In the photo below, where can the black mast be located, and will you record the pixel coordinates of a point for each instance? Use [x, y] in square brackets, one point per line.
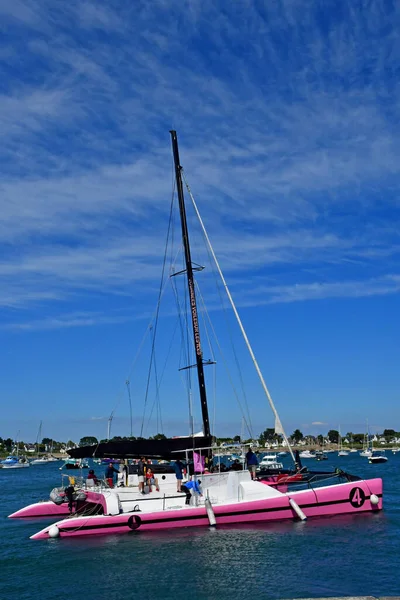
[190, 280]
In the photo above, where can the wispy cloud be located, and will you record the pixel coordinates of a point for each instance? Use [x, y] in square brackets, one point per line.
[292, 151]
[389, 284]
[67, 321]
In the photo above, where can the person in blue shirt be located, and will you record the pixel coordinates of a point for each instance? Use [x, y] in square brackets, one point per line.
[252, 462]
[190, 487]
[110, 474]
[178, 467]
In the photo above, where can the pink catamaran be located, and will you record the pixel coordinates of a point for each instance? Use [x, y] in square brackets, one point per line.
[218, 498]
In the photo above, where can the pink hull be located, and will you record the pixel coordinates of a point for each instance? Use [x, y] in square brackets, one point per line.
[41, 509]
[50, 509]
[349, 498]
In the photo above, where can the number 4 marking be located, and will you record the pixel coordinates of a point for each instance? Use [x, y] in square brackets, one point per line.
[357, 497]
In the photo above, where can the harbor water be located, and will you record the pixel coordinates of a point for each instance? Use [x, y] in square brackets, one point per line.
[338, 556]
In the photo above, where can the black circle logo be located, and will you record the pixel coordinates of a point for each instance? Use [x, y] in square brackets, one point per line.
[134, 522]
[357, 497]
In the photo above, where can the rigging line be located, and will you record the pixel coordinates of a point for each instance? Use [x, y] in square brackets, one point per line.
[162, 376]
[204, 314]
[157, 311]
[163, 372]
[182, 317]
[244, 409]
[129, 376]
[205, 317]
[225, 363]
[215, 398]
[157, 396]
[185, 348]
[278, 424]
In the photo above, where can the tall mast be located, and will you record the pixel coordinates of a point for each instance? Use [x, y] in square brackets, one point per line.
[190, 280]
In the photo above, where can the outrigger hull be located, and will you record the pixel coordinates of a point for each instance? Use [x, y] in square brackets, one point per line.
[349, 498]
[45, 509]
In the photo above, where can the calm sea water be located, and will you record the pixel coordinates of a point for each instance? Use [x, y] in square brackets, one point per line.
[338, 556]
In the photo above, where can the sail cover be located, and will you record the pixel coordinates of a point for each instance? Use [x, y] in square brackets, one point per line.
[168, 449]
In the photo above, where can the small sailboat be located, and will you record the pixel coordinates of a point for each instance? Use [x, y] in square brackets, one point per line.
[41, 459]
[366, 452]
[15, 461]
[341, 450]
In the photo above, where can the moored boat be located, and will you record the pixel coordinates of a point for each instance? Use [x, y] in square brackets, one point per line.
[308, 454]
[258, 502]
[377, 456]
[14, 462]
[75, 463]
[213, 498]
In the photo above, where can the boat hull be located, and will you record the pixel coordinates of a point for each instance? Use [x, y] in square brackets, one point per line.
[41, 509]
[350, 498]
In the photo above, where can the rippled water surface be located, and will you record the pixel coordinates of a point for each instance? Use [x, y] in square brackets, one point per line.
[340, 556]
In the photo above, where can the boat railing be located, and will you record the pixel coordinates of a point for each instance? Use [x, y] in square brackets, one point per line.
[81, 482]
[315, 481]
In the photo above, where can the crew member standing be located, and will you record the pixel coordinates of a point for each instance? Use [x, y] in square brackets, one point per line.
[110, 474]
[252, 462]
[178, 467]
[141, 471]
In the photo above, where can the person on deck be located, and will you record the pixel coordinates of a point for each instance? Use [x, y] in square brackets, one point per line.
[151, 480]
[191, 487]
[110, 474]
[178, 467]
[141, 473]
[92, 475]
[252, 462]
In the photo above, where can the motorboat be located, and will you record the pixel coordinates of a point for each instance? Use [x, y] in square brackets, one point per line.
[269, 461]
[44, 460]
[307, 454]
[320, 455]
[75, 463]
[15, 462]
[377, 456]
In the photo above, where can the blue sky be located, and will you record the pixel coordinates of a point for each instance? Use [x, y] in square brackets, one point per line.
[287, 114]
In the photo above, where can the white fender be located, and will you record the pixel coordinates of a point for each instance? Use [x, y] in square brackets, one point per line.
[210, 512]
[297, 509]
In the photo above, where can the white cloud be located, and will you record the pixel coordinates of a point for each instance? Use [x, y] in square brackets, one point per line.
[292, 153]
